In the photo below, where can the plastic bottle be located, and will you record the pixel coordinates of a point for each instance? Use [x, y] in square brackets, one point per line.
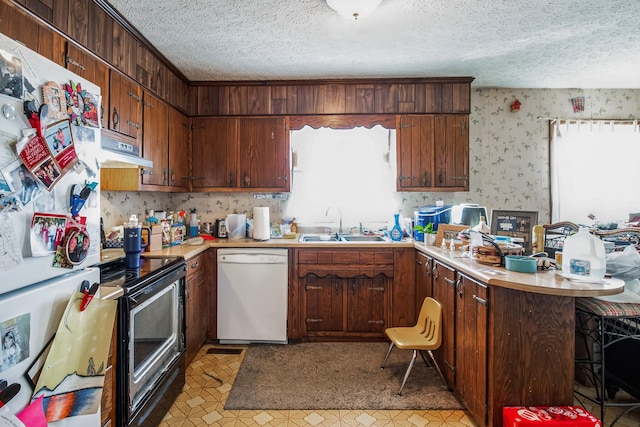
[482, 226]
[583, 257]
[193, 225]
[538, 238]
[396, 231]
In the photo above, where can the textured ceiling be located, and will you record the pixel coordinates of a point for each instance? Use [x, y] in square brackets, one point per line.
[502, 43]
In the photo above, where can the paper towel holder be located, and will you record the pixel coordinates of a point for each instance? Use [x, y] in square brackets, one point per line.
[261, 223]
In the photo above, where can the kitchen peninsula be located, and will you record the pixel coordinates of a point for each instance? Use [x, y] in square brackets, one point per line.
[508, 337]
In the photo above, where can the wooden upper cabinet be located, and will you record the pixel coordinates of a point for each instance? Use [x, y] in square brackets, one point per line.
[179, 130]
[415, 148]
[100, 35]
[85, 65]
[125, 102]
[451, 155]
[432, 152]
[124, 51]
[55, 12]
[214, 153]
[18, 26]
[264, 153]
[155, 139]
[78, 25]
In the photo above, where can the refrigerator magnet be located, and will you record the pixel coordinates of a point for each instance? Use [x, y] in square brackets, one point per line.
[76, 246]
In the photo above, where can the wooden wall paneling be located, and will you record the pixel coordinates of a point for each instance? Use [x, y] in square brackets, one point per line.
[143, 66]
[386, 100]
[44, 9]
[364, 99]
[51, 45]
[258, 100]
[406, 98]
[307, 99]
[236, 99]
[461, 98]
[206, 100]
[433, 98]
[335, 99]
[279, 99]
[100, 32]
[78, 15]
[292, 99]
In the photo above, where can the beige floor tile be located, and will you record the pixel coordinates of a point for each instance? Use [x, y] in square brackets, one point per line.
[202, 404]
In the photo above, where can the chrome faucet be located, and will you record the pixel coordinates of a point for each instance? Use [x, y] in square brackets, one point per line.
[340, 212]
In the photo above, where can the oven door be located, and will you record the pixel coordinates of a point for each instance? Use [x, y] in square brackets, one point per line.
[156, 335]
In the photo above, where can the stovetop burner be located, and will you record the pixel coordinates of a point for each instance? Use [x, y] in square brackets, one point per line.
[115, 273]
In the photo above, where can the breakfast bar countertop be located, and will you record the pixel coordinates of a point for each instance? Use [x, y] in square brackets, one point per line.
[549, 282]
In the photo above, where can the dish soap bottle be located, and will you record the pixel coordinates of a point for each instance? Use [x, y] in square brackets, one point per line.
[193, 225]
[396, 232]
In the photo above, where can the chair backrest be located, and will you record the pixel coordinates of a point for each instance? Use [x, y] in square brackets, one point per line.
[430, 321]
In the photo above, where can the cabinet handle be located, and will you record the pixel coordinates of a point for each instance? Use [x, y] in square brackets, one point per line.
[434, 271]
[450, 281]
[115, 117]
[147, 104]
[313, 320]
[405, 177]
[231, 179]
[337, 286]
[164, 175]
[481, 300]
[195, 264]
[273, 132]
[426, 180]
[376, 322]
[353, 286]
[134, 124]
[76, 64]
[459, 287]
[246, 182]
[381, 289]
[312, 288]
[427, 269]
[464, 177]
[440, 177]
[172, 176]
[463, 126]
[133, 95]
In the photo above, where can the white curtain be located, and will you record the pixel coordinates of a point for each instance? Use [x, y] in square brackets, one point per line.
[348, 170]
[594, 171]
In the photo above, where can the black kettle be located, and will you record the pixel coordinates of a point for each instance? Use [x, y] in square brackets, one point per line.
[220, 229]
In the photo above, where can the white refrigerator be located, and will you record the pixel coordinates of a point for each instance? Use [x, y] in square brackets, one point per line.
[33, 291]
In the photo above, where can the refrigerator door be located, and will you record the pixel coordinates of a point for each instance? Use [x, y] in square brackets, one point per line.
[20, 268]
[32, 315]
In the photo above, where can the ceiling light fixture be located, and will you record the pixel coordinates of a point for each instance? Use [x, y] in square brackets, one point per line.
[353, 8]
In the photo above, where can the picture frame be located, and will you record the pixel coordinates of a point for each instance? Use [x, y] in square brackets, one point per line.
[55, 99]
[449, 231]
[512, 223]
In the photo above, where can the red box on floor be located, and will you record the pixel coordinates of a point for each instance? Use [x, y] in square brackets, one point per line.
[548, 416]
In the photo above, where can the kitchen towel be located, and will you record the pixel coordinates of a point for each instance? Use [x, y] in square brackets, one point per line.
[261, 223]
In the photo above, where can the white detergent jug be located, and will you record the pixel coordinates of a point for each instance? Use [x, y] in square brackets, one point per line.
[583, 257]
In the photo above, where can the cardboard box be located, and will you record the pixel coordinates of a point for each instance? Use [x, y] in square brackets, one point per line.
[548, 416]
[156, 243]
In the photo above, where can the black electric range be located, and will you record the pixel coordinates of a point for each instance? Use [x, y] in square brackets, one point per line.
[114, 273]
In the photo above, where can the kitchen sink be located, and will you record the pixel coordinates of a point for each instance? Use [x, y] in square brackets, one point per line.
[318, 238]
[361, 238]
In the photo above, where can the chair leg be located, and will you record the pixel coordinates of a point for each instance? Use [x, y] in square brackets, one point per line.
[384, 362]
[426, 362]
[406, 375]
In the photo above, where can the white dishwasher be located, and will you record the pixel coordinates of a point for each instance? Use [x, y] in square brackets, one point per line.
[252, 296]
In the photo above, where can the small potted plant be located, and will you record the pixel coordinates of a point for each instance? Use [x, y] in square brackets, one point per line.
[429, 233]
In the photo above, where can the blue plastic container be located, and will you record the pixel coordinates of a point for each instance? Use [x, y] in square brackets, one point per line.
[430, 213]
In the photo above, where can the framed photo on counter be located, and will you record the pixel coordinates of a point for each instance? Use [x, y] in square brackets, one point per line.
[448, 232]
[514, 224]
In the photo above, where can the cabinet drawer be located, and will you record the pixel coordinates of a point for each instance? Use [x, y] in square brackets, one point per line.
[195, 265]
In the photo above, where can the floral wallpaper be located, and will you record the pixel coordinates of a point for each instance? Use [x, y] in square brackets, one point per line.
[509, 159]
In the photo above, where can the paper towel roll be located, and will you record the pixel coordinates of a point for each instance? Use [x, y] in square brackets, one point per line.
[261, 223]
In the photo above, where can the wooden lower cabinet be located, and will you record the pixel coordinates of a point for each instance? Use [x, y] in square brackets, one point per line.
[345, 293]
[424, 282]
[196, 306]
[107, 404]
[444, 284]
[471, 346]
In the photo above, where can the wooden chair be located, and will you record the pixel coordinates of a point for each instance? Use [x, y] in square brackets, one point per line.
[424, 337]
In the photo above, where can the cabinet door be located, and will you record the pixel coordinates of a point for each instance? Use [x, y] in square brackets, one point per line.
[196, 312]
[424, 284]
[324, 303]
[451, 152]
[155, 139]
[214, 153]
[125, 112]
[85, 65]
[179, 127]
[365, 304]
[264, 153]
[471, 346]
[444, 283]
[414, 151]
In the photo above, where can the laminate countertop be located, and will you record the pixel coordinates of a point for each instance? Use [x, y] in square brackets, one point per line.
[549, 282]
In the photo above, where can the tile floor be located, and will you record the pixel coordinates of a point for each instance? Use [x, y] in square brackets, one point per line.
[202, 404]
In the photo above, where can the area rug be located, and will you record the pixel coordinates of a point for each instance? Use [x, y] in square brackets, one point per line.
[335, 376]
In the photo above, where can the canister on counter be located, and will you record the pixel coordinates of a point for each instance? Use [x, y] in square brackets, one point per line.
[178, 232]
[558, 260]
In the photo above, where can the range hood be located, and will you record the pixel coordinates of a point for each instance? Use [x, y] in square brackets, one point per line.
[118, 154]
